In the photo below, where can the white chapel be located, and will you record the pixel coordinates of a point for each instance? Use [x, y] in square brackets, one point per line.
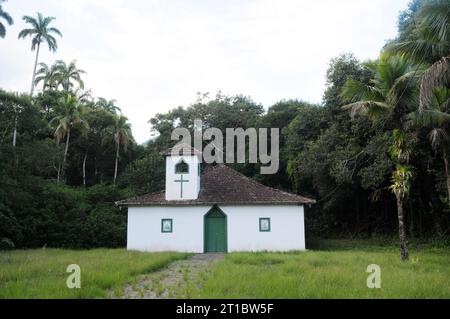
[216, 209]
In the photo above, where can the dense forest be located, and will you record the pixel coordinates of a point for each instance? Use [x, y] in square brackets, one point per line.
[374, 153]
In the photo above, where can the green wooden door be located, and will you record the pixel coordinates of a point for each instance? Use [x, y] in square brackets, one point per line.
[215, 232]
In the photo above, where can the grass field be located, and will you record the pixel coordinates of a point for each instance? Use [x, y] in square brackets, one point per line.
[336, 269]
[42, 273]
[337, 273]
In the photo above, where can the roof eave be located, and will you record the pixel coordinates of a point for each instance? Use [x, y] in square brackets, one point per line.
[178, 203]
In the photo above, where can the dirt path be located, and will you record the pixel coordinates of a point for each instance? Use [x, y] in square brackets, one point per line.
[174, 281]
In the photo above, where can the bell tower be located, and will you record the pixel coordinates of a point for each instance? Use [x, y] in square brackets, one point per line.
[182, 173]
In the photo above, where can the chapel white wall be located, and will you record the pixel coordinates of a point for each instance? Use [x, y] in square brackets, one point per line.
[287, 228]
[144, 228]
[286, 223]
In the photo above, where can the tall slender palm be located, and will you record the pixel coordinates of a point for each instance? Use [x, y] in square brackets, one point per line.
[107, 105]
[431, 44]
[4, 15]
[70, 114]
[46, 75]
[65, 74]
[388, 99]
[120, 131]
[39, 32]
[85, 130]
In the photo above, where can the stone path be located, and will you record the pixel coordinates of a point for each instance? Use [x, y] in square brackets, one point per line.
[175, 281]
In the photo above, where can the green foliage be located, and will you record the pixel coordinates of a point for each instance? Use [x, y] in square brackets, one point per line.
[6, 244]
[59, 74]
[40, 31]
[37, 213]
[6, 17]
[145, 175]
[401, 180]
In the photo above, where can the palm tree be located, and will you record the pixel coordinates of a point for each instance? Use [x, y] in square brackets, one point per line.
[46, 75]
[70, 114]
[120, 131]
[386, 100]
[85, 130]
[107, 105]
[430, 45]
[84, 97]
[66, 73]
[436, 118]
[59, 74]
[4, 15]
[39, 32]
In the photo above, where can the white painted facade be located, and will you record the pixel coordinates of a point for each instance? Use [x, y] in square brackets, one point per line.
[286, 233]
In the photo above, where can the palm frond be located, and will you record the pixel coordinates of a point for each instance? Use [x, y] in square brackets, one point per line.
[32, 21]
[429, 118]
[437, 75]
[2, 30]
[47, 20]
[401, 180]
[353, 91]
[371, 109]
[5, 15]
[26, 32]
[404, 84]
[436, 15]
[55, 30]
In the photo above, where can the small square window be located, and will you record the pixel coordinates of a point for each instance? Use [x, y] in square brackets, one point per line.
[166, 225]
[264, 224]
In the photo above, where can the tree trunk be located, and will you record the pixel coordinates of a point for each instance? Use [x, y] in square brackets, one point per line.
[58, 171]
[15, 130]
[411, 221]
[34, 70]
[84, 168]
[67, 147]
[404, 255]
[446, 174]
[65, 153]
[117, 161]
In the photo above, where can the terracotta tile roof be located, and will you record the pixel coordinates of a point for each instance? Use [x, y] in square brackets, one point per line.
[223, 185]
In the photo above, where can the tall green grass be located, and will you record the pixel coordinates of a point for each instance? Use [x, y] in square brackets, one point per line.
[42, 273]
[329, 274]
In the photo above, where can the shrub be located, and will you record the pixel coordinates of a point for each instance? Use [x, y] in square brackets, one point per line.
[6, 244]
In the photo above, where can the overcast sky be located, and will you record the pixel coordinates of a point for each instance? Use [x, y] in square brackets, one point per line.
[152, 56]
